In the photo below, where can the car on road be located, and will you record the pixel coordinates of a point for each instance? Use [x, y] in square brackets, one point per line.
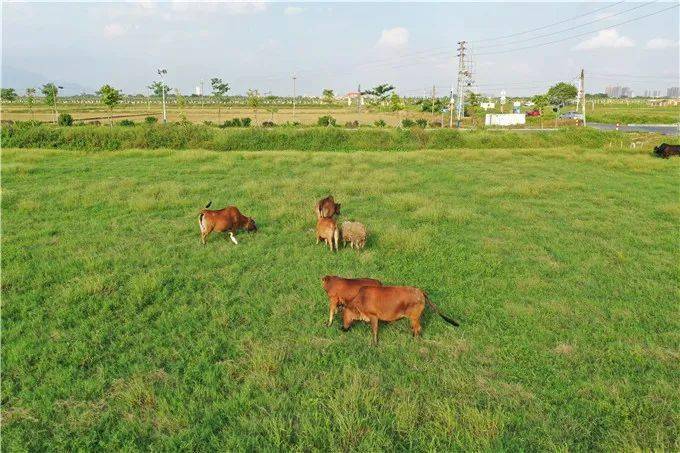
[571, 116]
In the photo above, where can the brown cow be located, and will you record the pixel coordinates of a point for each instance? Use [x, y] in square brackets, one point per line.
[227, 219]
[340, 290]
[327, 230]
[327, 207]
[388, 303]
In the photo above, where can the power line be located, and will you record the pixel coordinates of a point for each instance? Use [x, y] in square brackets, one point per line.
[570, 28]
[580, 34]
[549, 25]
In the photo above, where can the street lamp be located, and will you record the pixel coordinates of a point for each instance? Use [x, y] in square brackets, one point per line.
[162, 72]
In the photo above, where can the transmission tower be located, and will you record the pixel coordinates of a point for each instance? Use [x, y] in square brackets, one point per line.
[464, 81]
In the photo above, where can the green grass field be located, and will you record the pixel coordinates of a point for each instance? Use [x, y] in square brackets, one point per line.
[122, 332]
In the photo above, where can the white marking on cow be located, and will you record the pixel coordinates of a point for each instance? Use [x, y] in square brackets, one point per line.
[233, 239]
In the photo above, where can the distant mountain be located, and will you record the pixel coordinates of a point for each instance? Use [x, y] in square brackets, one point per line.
[20, 79]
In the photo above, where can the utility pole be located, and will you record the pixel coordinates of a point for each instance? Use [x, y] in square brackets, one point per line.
[582, 88]
[202, 94]
[451, 109]
[294, 78]
[463, 75]
[162, 72]
[358, 97]
[433, 91]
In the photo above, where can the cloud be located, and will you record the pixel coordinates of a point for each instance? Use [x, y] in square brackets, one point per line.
[393, 38]
[114, 30]
[238, 8]
[292, 10]
[660, 43]
[605, 39]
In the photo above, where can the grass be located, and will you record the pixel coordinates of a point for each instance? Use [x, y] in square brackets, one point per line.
[121, 332]
[182, 136]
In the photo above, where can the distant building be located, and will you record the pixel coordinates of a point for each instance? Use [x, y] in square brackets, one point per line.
[618, 92]
[673, 92]
[488, 105]
[351, 96]
[199, 90]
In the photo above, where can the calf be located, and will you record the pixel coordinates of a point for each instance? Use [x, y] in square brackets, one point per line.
[340, 290]
[354, 233]
[388, 303]
[327, 230]
[227, 219]
[665, 150]
[327, 207]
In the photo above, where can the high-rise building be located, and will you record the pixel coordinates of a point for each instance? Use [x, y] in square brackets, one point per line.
[673, 92]
[618, 92]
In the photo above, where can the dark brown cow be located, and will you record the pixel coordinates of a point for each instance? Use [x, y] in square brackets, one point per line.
[227, 219]
[388, 303]
[327, 207]
[665, 150]
[340, 290]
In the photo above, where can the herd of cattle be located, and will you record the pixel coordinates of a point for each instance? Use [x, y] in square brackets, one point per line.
[363, 299]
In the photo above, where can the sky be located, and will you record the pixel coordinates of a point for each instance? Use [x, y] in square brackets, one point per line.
[258, 45]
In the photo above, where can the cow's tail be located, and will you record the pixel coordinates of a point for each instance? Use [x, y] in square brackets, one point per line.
[438, 311]
[200, 216]
[208, 205]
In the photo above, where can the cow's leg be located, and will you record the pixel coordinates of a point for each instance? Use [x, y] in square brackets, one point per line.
[374, 328]
[415, 325]
[204, 234]
[333, 309]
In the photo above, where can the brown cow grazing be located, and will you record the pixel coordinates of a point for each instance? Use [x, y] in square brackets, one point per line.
[665, 150]
[227, 219]
[327, 207]
[327, 230]
[340, 290]
[388, 303]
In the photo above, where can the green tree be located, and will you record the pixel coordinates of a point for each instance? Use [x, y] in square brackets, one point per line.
[328, 97]
[253, 101]
[50, 92]
[541, 101]
[30, 100]
[473, 101]
[181, 105]
[561, 93]
[381, 92]
[219, 92]
[396, 103]
[157, 88]
[8, 94]
[110, 97]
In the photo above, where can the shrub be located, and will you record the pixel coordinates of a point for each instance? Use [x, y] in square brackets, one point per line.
[65, 119]
[208, 123]
[150, 120]
[326, 120]
[126, 123]
[245, 122]
[380, 123]
[407, 123]
[352, 124]
[421, 122]
[435, 124]
[268, 124]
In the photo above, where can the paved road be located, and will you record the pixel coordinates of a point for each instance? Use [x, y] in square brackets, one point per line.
[664, 129]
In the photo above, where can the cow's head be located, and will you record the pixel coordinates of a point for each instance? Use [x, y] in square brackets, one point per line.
[326, 281]
[250, 225]
[349, 315]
